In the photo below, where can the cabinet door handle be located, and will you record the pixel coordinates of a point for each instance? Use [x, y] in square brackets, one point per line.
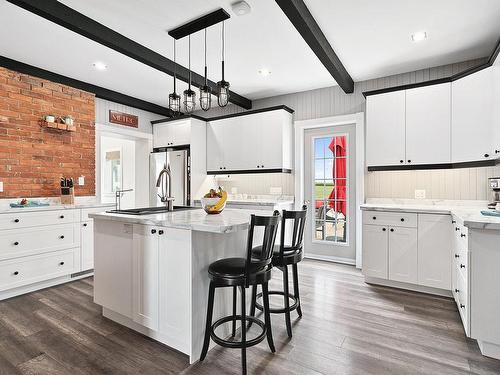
[457, 256]
[409, 161]
[16, 220]
[262, 166]
[462, 266]
[374, 218]
[402, 219]
[61, 237]
[401, 161]
[61, 217]
[497, 151]
[16, 243]
[457, 229]
[392, 229]
[16, 273]
[84, 224]
[457, 291]
[258, 166]
[160, 232]
[462, 235]
[453, 222]
[462, 306]
[61, 263]
[383, 229]
[486, 155]
[153, 231]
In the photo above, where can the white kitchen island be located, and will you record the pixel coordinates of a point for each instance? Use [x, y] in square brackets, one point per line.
[151, 271]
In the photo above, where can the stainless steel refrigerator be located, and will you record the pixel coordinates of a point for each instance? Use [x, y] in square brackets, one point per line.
[179, 168]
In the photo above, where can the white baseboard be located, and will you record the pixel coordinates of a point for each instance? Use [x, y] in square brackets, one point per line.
[489, 349]
[406, 286]
[332, 259]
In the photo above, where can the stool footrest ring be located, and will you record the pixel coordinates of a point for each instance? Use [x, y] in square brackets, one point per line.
[238, 344]
[282, 310]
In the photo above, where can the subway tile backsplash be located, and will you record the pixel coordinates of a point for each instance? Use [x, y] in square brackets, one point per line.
[457, 184]
[258, 183]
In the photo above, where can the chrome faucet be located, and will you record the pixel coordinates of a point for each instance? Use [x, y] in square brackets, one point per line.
[118, 196]
[166, 196]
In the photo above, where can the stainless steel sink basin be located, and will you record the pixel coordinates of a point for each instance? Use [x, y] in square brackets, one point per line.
[150, 210]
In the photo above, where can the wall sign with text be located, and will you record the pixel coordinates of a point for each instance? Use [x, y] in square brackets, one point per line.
[121, 118]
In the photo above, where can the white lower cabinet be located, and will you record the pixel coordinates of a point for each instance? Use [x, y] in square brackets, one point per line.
[145, 275]
[434, 251]
[87, 244]
[375, 251]
[403, 254]
[407, 248]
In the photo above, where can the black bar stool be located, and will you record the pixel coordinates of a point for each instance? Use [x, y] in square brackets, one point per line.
[253, 270]
[285, 255]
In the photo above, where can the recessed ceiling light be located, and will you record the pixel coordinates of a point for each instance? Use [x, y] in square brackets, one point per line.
[240, 8]
[419, 36]
[264, 72]
[99, 65]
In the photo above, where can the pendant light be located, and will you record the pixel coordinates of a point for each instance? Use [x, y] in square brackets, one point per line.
[189, 95]
[222, 85]
[174, 100]
[205, 94]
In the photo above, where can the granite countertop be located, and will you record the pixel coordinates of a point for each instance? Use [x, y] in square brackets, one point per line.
[8, 210]
[229, 220]
[256, 201]
[466, 213]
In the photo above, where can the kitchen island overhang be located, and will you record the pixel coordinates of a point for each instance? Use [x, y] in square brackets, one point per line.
[151, 271]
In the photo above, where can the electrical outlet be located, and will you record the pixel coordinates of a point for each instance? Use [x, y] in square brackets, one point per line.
[419, 194]
[81, 180]
[1, 187]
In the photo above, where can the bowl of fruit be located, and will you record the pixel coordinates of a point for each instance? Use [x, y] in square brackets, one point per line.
[214, 201]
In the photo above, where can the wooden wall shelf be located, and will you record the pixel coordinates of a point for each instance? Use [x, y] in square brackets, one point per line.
[59, 126]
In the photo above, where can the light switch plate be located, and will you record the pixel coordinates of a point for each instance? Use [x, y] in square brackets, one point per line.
[419, 194]
[81, 180]
[1, 187]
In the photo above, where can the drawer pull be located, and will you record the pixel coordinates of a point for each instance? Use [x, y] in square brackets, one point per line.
[402, 219]
[61, 263]
[383, 229]
[153, 231]
[16, 273]
[61, 217]
[84, 224]
[16, 220]
[457, 229]
[462, 266]
[160, 232]
[453, 222]
[16, 243]
[61, 237]
[457, 291]
[374, 218]
[462, 235]
[392, 229]
[457, 256]
[462, 306]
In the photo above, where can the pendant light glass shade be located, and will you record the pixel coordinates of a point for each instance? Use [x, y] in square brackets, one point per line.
[174, 100]
[189, 95]
[222, 85]
[205, 94]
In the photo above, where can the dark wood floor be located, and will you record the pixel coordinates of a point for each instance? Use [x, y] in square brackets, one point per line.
[348, 327]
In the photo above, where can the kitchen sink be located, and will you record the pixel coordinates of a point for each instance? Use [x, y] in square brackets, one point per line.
[150, 210]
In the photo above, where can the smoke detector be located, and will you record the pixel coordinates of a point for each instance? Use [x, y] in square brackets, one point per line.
[240, 8]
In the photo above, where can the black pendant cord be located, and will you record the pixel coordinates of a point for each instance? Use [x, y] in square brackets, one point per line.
[189, 63]
[223, 43]
[205, 57]
[175, 68]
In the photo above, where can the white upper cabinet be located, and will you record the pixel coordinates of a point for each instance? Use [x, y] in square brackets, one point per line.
[172, 133]
[496, 108]
[428, 124]
[257, 141]
[385, 129]
[472, 117]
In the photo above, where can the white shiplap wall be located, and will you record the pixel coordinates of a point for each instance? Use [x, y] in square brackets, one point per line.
[102, 108]
[469, 183]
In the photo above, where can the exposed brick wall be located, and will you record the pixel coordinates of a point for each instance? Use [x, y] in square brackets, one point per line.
[33, 158]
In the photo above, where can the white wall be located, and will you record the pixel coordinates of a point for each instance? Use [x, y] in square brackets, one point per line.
[102, 108]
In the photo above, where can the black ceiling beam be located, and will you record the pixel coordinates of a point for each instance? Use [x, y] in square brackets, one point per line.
[99, 92]
[200, 23]
[69, 18]
[306, 25]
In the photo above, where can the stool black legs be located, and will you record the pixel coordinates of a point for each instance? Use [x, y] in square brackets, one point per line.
[208, 325]
[267, 313]
[287, 301]
[243, 333]
[296, 289]
[235, 289]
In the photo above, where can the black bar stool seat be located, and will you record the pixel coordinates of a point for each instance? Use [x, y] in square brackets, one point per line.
[241, 273]
[290, 255]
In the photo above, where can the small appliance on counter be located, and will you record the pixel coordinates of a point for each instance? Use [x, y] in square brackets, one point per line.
[494, 184]
[67, 191]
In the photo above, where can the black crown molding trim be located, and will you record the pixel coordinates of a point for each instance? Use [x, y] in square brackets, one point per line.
[200, 23]
[465, 73]
[100, 92]
[69, 18]
[300, 16]
[408, 167]
[246, 171]
[244, 113]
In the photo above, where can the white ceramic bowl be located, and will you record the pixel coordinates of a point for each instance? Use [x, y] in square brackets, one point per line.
[208, 202]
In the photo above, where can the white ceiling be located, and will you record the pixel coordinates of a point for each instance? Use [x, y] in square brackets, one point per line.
[372, 38]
